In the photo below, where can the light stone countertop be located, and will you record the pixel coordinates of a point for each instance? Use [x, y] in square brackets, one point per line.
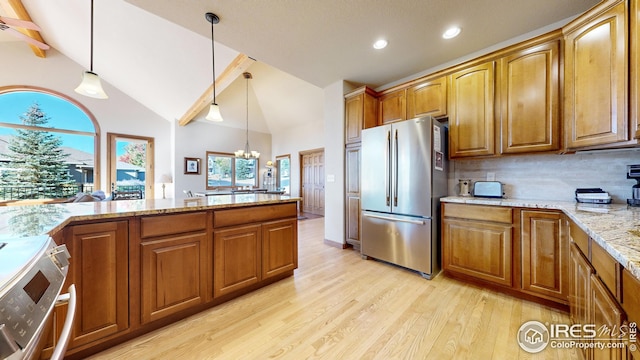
[34, 220]
[615, 227]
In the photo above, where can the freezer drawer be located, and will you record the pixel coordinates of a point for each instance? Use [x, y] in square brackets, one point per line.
[401, 240]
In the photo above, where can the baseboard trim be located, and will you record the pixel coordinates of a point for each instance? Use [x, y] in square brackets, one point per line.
[335, 244]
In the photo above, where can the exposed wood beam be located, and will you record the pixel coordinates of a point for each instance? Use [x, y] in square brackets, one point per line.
[15, 9]
[239, 65]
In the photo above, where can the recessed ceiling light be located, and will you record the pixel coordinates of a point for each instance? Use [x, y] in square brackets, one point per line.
[380, 44]
[451, 32]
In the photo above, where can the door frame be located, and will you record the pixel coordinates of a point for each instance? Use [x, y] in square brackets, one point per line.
[149, 161]
[301, 169]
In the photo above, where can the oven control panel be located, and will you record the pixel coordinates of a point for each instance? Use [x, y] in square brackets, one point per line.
[27, 304]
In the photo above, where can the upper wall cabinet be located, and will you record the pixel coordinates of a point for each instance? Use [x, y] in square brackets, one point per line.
[529, 99]
[471, 114]
[595, 78]
[634, 85]
[360, 113]
[427, 98]
[393, 106]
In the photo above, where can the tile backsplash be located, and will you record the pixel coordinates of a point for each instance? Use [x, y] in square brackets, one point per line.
[552, 177]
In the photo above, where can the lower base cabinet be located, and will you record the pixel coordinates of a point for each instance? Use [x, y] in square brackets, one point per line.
[236, 258]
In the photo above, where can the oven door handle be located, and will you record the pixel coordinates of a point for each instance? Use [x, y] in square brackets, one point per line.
[65, 335]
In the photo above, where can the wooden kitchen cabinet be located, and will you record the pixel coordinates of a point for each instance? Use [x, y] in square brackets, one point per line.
[471, 111]
[173, 267]
[99, 270]
[530, 99]
[605, 311]
[361, 109]
[428, 97]
[279, 247]
[393, 106]
[352, 195]
[477, 242]
[236, 258]
[634, 68]
[595, 78]
[580, 271]
[545, 254]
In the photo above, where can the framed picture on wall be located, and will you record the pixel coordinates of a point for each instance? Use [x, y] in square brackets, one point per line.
[192, 166]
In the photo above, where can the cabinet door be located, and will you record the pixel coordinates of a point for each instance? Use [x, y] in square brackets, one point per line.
[99, 269]
[173, 274]
[427, 98]
[393, 107]
[279, 247]
[545, 254]
[236, 258]
[481, 250]
[529, 100]
[605, 312]
[595, 80]
[360, 113]
[352, 191]
[579, 286]
[471, 112]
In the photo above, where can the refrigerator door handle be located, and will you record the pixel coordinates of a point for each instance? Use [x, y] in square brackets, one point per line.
[395, 171]
[382, 217]
[387, 175]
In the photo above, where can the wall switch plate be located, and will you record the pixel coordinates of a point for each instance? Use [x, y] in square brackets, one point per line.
[491, 176]
[331, 178]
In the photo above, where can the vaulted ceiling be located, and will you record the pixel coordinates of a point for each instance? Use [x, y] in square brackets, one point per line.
[159, 51]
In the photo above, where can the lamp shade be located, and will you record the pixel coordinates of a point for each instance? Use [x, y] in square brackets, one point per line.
[214, 113]
[166, 179]
[91, 86]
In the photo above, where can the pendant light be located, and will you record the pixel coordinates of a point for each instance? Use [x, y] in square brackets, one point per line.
[90, 85]
[246, 153]
[214, 109]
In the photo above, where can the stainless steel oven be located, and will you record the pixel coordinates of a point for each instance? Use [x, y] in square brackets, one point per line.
[32, 274]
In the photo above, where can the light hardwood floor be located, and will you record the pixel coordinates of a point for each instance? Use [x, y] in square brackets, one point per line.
[338, 306]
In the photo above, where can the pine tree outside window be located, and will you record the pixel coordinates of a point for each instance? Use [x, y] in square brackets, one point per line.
[48, 145]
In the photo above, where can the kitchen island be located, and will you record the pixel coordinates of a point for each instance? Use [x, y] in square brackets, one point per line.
[141, 264]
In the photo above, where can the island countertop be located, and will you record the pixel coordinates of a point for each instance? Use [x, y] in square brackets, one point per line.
[615, 227]
[33, 220]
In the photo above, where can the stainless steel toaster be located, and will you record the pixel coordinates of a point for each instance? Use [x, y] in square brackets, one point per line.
[490, 189]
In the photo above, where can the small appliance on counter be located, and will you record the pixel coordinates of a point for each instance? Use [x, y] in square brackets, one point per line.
[592, 196]
[488, 189]
[633, 172]
[465, 187]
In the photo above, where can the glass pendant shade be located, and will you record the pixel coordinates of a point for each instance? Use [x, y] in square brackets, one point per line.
[91, 86]
[214, 113]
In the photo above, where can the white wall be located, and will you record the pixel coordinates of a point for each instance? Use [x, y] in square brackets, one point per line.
[198, 137]
[118, 114]
[334, 162]
[553, 177]
[294, 140]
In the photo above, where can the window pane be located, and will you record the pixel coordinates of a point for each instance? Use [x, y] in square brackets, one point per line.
[218, 170]
[283, 175]
[246, 171]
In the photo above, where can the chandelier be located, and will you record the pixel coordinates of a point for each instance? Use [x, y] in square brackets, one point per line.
[246, 153]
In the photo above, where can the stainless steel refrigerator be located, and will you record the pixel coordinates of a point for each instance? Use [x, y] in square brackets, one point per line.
[404, 174]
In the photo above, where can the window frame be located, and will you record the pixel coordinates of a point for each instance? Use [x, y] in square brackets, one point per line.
[96, 134]
[233, 171]
[279, 158]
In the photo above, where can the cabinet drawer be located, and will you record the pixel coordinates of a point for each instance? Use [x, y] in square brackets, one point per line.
[580, 238]
[253, 214]
[606, 267]
[159, 225]
[631, 296]
[479, 212]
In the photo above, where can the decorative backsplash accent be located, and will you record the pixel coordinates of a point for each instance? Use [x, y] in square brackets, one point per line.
[551, 176]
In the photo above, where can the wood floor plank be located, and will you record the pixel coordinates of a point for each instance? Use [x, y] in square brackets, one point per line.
[339, 306]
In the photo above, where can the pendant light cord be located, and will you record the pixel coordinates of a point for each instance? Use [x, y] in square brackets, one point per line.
[91, 53]
[213, 64]
[247, 97]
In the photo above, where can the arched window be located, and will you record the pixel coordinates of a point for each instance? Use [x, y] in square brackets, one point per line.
[49, 145]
